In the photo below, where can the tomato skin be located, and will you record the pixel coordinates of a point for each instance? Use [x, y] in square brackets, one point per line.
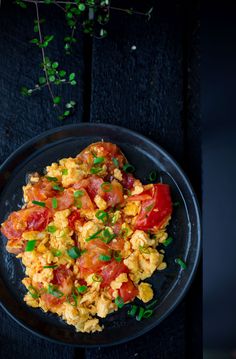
[128, 291]
[52, 301]
[127, 180]
[89, 262]
[40, 190]
[154, 218]
[74, 217]
[115, 195]
[63, 279]
[112, 270]
[91, 184]
[33, 219]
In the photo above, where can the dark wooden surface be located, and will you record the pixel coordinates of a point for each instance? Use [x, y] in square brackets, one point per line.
[153, 90]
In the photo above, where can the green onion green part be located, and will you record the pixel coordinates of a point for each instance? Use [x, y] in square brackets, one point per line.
[52, 179]
[98, 160]
[117, 256]
[148, 313]
[152, 176]
[54, 203]
[106, 186]
[128, 168]
[56, 252]
[33, 292]
[51, 229]
[115, 161]
[82, 288]
[78, 193]
[168, 241]
[140, 313]
[150, 305]
[119, 302]
[74, 252]
[97, 278]
[64, 171]
[180, 262]
[58, 188]
[104, 258]
[95, 170]
[41, 204]
[132, 312]
[30, 245]
[54, 291]
[93, 236]
[102, 215]
[52, 266]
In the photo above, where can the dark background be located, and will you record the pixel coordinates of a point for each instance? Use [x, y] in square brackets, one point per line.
[153, 90]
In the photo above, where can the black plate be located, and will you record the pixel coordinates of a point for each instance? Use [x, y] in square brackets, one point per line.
[169, 285]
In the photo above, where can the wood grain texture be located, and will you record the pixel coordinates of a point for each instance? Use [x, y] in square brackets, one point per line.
[153, 90]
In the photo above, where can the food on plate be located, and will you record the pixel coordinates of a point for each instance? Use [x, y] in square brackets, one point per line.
[87, 236]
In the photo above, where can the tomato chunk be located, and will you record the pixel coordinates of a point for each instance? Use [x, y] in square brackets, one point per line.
[110, 271]
[63, 279]
[114, 196]
[40, 190]
[156, 207]
[73, 218]
[128, 291]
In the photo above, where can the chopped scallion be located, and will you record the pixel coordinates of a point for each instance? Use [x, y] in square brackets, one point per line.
[82, 288]
[38, 203]
[33, 292]
[106, 186]
[168, 241]
[78, 193]
[58, 188]
[150, 305]
[104, 258]
[133, 310]
[95, 170]
[128, 168]
[115, 161]
[148, 313]
[97, 278]
[102, 215]
[140, 313]
[98, 160]
[30, 245]
[74, 252]
[52, 179]
[54, 203]
[93, 236]
[119, 302]
[64, 171]
[51, 229]
[54, 291]
[152, 176]
[52, 266]
[180, 262]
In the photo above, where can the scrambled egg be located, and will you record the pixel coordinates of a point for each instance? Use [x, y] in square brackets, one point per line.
[62, 239]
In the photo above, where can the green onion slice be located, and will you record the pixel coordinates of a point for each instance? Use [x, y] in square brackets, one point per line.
[33, 292]
[119, 302]
[78, 203]
[52, 179]
[117, 256]
[56, 252]
[133, 310]
[93, 236]
[168, 241]
[115, 161]
[68, 299]
[148, 313]
[64, 171]
[54, 203]
[38, 203]
[58, 188]
[74, 252]
[152, 176]
[97, 278]
[106, 186]
[128, 168]
[52, 266]
[150, 305]
[98, 160]
[54, 291]
[95, 170]
[104, 258]
[140, 313]
[82, 288]
[30, 245]
[51, 229]
[107, 236]
[78, 193]
[102, 215]
[180, 262]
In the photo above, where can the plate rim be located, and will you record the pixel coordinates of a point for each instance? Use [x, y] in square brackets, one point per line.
[194, 199]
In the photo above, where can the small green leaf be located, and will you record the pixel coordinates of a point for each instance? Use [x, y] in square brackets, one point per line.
[81, 7]
[73, 83]
[42, 80]
[72, 76]
[62, 73]
[52, 78]
[57, 100]
[34, 41]
[66, 113]
[55, 65]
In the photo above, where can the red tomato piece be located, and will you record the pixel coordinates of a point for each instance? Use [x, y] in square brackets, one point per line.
[127, 180]
[115, 195]
[38, 219]
[128, 291]
[92, 185]
[65, 200]
[117, 244]
[63, 279]
[73, 218]
[110, 271]
[41, 190]
[155, 211]
[52, 301]
[90, 259]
